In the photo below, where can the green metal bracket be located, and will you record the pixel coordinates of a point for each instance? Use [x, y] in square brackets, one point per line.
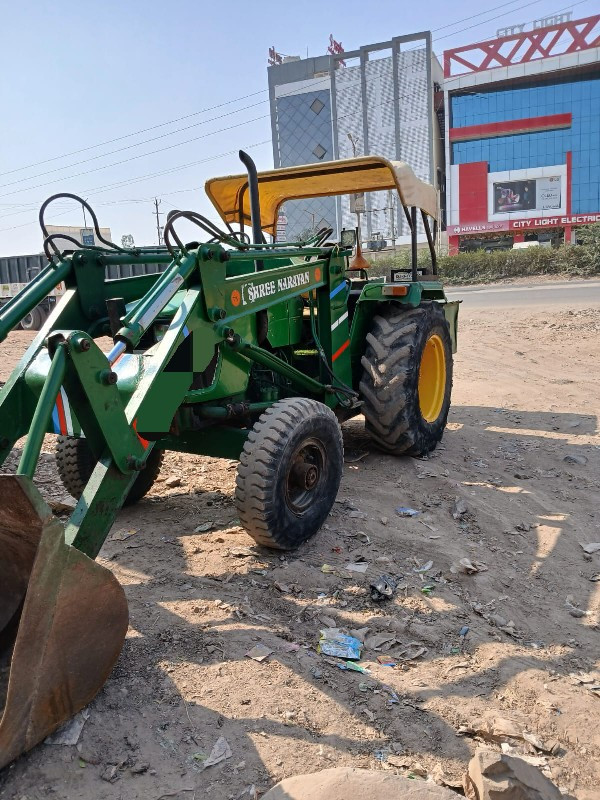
[95, 512]
[89, 274]
[229, 299]
[450, 310]
[91, 388]
[43, 412]
[219, 441]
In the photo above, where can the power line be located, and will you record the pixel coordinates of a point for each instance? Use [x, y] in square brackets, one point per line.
[485, 21]
[135, 133]
[128, 182]
[134, 158]
[186, 166]
[139, 144]
[481, 13]
[131, 146]
[179, 130]
[170, 170]
[170, 147]
[526, 5]
[188, 116]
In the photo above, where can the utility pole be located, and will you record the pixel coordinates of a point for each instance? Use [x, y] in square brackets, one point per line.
[159, 230]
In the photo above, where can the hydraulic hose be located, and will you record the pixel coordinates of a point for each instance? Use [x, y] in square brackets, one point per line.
[346, 390]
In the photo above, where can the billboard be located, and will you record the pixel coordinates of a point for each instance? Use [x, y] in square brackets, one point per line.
[537, 194]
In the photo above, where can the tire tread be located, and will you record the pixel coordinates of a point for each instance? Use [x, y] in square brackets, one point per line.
[390, 378]
[258, 508]
[75, 464]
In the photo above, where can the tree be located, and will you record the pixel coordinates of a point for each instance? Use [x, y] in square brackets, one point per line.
[589, 237]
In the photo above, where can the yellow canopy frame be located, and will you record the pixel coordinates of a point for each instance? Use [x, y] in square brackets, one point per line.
[231, 198]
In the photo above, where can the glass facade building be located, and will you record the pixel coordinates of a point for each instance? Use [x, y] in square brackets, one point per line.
[579, 96]
[378, 100]
[305, 136]
[523, 136]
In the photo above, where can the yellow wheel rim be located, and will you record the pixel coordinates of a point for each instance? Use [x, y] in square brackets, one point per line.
[432, 378]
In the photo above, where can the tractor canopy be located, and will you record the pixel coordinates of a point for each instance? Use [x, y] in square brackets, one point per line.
[231, 198]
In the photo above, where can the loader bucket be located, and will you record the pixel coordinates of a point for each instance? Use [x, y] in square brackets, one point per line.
[62, 616]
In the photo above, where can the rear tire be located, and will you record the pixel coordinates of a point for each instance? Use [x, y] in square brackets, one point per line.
[75, 463]
[34, 320]
[289, 472]
[407, 378]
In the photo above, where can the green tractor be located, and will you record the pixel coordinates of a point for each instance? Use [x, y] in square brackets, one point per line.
[240, 348]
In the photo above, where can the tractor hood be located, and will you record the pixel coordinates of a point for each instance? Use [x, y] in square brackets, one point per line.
[231, 198]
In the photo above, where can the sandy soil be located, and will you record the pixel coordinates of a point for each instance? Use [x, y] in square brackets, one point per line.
[526, 395]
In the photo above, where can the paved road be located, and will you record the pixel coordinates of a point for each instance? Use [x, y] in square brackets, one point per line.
[572, 294]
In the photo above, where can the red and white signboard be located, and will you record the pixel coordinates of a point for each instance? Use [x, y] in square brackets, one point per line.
[483, 202]
[523, 224]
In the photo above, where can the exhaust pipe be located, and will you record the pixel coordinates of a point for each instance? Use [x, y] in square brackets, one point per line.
[247, 161]
[257, 234]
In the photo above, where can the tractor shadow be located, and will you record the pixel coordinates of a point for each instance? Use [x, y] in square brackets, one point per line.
[260, 612]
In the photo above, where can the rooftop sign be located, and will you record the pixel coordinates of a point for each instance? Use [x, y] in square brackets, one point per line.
[544, 22]
[518, 46]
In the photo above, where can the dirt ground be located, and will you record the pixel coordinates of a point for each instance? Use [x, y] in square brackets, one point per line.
[497, 492]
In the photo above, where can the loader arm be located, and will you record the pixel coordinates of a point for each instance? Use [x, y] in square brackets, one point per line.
[180, 390]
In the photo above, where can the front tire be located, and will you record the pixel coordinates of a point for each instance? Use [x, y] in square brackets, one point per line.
[75, 463]
[407, 378]
[289, 472]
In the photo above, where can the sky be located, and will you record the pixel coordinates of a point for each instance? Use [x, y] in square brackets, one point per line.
[86, 85]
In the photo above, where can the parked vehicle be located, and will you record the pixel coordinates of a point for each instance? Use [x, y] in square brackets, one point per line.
[377, 243]
[17, 271]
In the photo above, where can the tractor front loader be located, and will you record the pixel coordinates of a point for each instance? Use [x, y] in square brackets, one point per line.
[239, 348]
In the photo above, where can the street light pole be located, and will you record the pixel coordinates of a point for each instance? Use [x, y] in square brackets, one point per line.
[353, 142]
[358, 260]
[392, 218]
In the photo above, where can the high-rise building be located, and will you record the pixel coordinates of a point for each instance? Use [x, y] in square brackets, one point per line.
[381, 99]
[523, 135]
